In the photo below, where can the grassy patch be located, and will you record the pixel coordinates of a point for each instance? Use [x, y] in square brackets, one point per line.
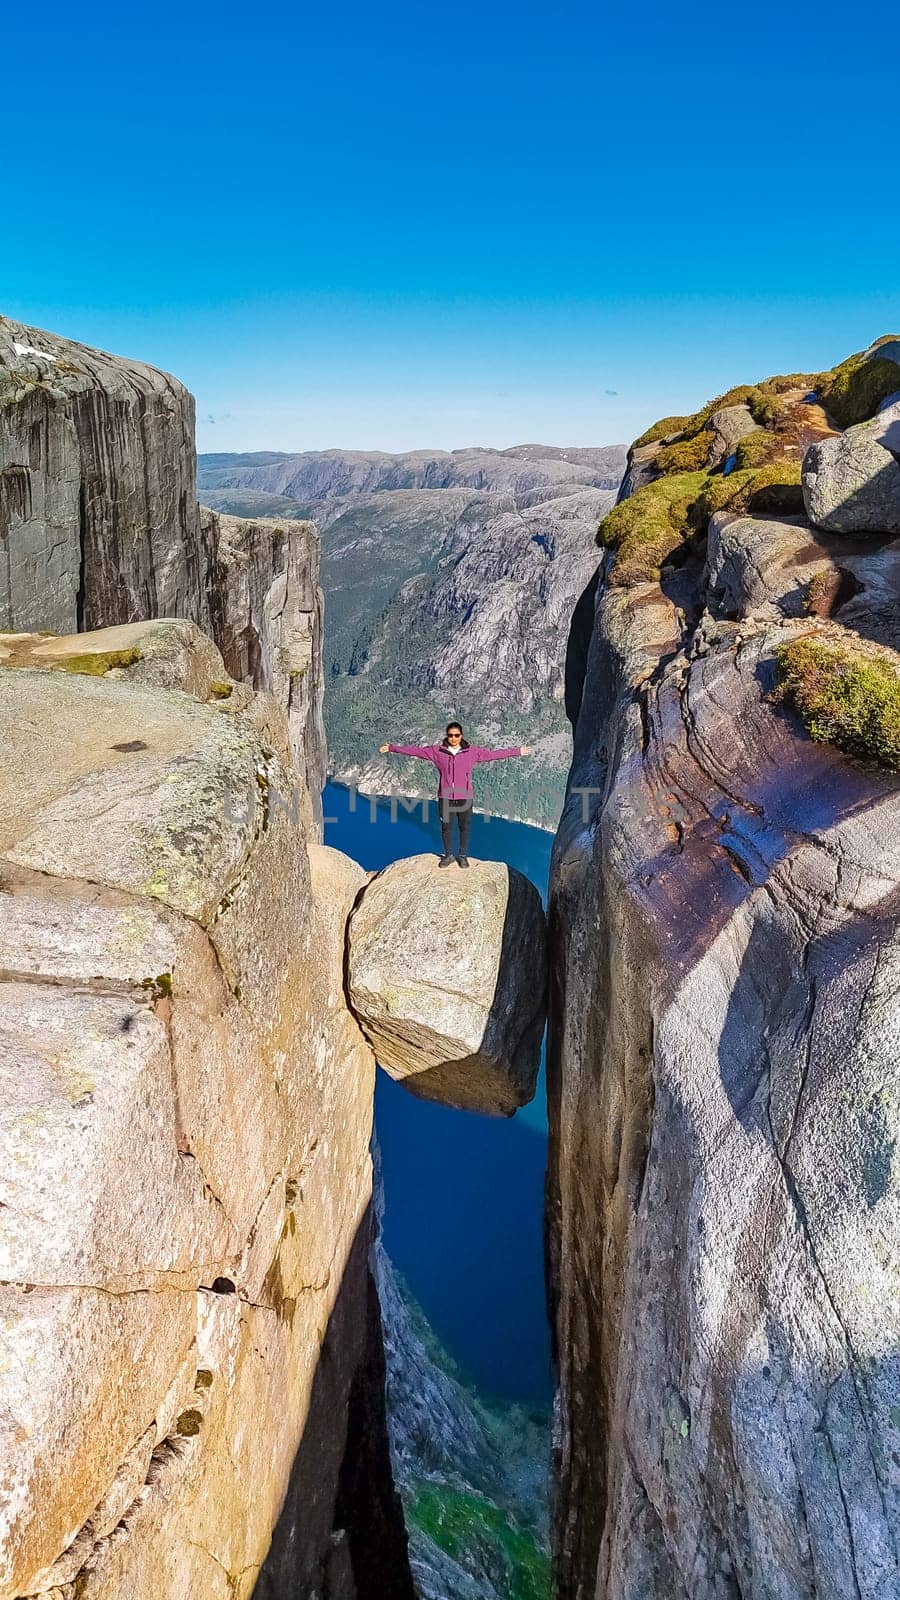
[662, 429]
[853, 391]
[94, 663]
[650, 526]
[844, 696]
[767, 407]
[757, 449]
[774, 489]
[685, 455]
[458, 1522]
[790, 380]
[763, 400]
[687, 427]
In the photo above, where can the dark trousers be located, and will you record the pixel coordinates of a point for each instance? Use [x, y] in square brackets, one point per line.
[462, 811]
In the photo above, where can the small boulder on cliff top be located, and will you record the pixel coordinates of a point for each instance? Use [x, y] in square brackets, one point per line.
[447, 973]
[851, 482]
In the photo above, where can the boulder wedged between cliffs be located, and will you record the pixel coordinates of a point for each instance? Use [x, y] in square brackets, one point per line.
[447, 978]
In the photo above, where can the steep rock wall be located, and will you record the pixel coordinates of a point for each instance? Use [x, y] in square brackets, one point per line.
[724, 1197]
[187, 1329]
[97, 467]
[99, 526]
[266, 616]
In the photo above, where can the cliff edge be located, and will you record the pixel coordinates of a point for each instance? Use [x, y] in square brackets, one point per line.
[724, 1195]
[100, 526]
[188, 1105]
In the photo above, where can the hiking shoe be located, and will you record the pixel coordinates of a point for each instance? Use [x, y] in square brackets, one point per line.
[445, 861]
[463, 861]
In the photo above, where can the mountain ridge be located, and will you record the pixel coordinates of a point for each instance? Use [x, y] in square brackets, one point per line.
[319, 474]
[447, 599]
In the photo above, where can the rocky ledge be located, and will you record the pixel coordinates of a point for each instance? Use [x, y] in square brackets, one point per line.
[100, 527]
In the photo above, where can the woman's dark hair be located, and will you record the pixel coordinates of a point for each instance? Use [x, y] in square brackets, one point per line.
[463, 741]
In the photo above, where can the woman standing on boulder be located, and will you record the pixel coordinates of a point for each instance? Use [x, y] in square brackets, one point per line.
[454, 758]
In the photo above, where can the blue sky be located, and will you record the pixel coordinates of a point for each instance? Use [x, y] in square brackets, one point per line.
[414, 225]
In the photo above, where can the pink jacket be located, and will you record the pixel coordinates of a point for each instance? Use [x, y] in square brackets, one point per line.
[454, 766]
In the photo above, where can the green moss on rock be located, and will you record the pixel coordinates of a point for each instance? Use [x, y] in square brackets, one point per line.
[763, 400]
[853, 392]
[757, 449]
[786, 381]
[845, 696]
[767, 407]
[663, 429]
[94, 663]
[160, 987]
[685, 455]
[687, 428]
[650, 526]
[775, 489]
[456, 1521]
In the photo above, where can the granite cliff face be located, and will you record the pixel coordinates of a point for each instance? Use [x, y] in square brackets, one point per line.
[724, 1194]
[186, 1181]
[266, 616]
[450, 580]
[98, 513]
[99, 526]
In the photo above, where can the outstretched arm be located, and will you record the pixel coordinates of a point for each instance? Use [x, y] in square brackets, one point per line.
[426, 751]
[501, 755]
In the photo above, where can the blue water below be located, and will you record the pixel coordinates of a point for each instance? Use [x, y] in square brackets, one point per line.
[464, 1193]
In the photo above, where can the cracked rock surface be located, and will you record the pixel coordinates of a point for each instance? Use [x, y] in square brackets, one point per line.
[724, 1070]
[185, 1178]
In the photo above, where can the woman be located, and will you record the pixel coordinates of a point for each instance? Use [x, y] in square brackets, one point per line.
[454, 758]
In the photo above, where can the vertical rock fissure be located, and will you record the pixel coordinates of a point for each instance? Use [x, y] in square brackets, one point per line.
[82, 560]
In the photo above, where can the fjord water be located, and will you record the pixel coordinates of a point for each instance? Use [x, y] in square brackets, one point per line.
[463, 1193]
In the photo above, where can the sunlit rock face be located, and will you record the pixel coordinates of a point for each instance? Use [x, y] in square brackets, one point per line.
[851, 483]
[100, 527]
[447, 975]
[724, 1194]
[185, 1178]
[98, 505]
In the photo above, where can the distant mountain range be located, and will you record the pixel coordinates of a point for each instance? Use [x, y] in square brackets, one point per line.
[318, 475]
[450, 579]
